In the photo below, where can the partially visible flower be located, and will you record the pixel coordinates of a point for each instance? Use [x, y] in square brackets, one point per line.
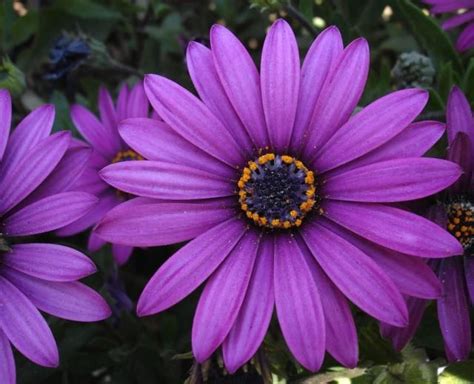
[108, 148]
[413, 70]
[455, 212]
[68, 53]
[284, 195]
[464, 16]
[35, 170]
[11, 77]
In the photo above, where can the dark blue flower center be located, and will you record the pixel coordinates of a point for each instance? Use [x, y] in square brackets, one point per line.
[461, 222]
[277, 191]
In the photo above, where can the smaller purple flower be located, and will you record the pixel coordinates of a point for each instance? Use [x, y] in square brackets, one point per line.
[455, 212]
[108, 148]
[36, 168]
[464, 16]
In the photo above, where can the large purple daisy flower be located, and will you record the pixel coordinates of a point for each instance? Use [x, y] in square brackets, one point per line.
[35, 170]
[108, 148]
[282, 192]
[465, 18]
[455, 212]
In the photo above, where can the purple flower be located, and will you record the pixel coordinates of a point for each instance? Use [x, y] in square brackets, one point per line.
[282, 193]
[35, 170]
[108, 148]
[455, 212]
[466, 19]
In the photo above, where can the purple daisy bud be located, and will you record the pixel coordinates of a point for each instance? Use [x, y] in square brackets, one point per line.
[36, 170]
[108, 148]
[455, 212]
[464, 17]
[284, 194]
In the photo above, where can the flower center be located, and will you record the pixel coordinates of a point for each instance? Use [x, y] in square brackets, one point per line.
[126, 155]
[461, 222]
[277, 191]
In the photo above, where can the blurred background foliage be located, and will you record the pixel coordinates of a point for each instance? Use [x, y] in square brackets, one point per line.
[61, 51]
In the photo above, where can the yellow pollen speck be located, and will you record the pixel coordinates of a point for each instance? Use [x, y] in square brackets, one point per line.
[293, 213]
[287, 159]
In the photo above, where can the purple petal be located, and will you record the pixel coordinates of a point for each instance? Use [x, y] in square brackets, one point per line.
[254, 317]
[121, 253]
[411, 275]
[401, 336]
[459, 152]
[49, 262]
[208, 85]
[162, 180]
[105, 204]
[95, 242]
[453, 310]
[469, 273]
[222, 298]
[122, 103]
[34, 128]
[137, 102]
[393, 180]
[341, 334]
[466, 39]
[414, 141]
[298, 304]
[96, 133]
[394, 228]
[450, 6]
[67, 300]
[280, 82]
[372, 127]
[5, 121]
[188, 268]
[33, 170]
[458, 20]
[340, 94]
[160, 223]
[459, 116]
[155, 140]
[25, 327]
[108, 115]
[356, 274]
[241, 81]
[190, 118]
[7, 362]
[50, 213]
[321, 56]
[90, 181]
[69, 169]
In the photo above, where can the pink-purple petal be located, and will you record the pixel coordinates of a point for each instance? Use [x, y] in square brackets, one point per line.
[25, 327]
[393, 180]
[51, 262]
[469, 274]
[5, 119]
[356, 274]
[155, 140]
[208, 85]
[240, 80]
[459, 152]
[459, 117]
[372, 127]
[161, 180]
[465, 40]
[458, 20]
[121, 253]
[192, 119]
[49, 213]
[321, 56]
[33, 170]
[280, 82]
[453, 310]
[394, 228]
[162, 223]
[298, 304]
[254, 317]
[67, 300]
[7, 362]
[137, 102]
[188, 268]
[340, 94]
[222, 297]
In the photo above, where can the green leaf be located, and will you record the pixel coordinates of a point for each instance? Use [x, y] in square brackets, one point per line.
[306, 8]
[458, 373]
[445, 80]
[468, 81]
[88, 9]
[430, 36]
